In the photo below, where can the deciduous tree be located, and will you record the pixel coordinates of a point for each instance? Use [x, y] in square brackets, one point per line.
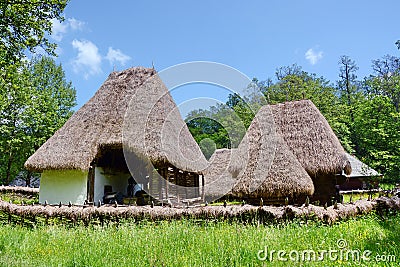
[24, 24]
[36, 102]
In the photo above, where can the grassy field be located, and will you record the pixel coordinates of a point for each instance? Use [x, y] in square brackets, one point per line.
[188, 243]
[18, 198]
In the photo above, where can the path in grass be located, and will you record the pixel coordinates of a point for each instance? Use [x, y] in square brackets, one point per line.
[185, 243]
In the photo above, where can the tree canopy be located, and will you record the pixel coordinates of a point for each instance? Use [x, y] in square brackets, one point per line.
[35, 98]
[24, 24]
[36, 102]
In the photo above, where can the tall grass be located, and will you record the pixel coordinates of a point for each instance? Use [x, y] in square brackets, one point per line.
[190, 243]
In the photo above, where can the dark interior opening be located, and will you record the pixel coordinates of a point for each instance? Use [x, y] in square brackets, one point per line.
[112, 159]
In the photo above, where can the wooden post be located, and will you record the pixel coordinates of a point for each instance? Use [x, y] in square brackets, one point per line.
[166, 182]
[202, 188]
[90, 184]
[160, 196]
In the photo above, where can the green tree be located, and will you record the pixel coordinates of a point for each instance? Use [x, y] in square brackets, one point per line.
[34, 105]
[378, 123]
[350, 95]
[244, 108]
[207, 146]
[293, 83]
[14, 94]
[378, 128]
[224, 125]
[24, 24]
[347, 84]
[386, 79]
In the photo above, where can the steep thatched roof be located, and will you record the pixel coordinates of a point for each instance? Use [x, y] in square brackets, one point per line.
[284, 145]
[100, 124]
[310, 138]
[265, 166]
[360, 169]
[154, 127]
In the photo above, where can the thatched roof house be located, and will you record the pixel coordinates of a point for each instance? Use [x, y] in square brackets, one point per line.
[289, 151]
[98, 122]
[315, 145]
[132, 108]
[285, 145]
[265, 167]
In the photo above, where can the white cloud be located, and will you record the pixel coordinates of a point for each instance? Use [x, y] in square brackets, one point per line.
[59, 29]
[115, 55]
[88, 60]
[313, 56]
[76, 24]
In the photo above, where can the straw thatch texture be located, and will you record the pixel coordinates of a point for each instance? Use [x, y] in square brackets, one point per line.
[153, 127]
[265, 165]
[218, 180]
[99, 124]
[310, 138]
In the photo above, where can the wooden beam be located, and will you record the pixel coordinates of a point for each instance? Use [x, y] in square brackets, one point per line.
[160, 172]
[90, 184]
[166, 182]
[202, 188]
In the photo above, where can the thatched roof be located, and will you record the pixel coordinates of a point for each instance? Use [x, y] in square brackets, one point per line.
[218, 179]
[100, 124]
[285, 145]
[264, 164]
[360, 169]
[310, 138]
[154, 127]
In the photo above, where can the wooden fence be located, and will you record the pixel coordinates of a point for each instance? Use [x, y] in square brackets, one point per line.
[20, 190]
[89, 214]
[31, 214]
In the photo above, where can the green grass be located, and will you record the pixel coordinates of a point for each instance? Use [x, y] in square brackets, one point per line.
[19, 198]
[188, 243]
[357, 196]
[387, 186]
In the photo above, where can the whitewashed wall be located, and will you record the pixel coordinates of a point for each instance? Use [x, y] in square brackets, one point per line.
[118, 181]
[64, 186]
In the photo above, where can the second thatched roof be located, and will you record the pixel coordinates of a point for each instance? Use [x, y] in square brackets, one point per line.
[285, 145]
[264, 166]
[310, 138]
[129, 99]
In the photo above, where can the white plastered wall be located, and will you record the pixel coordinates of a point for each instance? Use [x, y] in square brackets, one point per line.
[64, 186]
[118, 181]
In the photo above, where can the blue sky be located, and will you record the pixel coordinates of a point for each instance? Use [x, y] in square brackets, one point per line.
[254, 37]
